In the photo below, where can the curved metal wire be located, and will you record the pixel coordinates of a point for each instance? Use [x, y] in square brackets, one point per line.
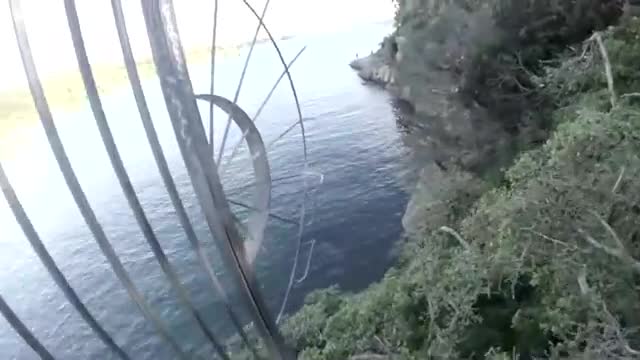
[257, 221]
[71, 180]
[23, 331]
[50, 264]
[309, 257]
[171, 66]
[301, 225]
[237, 253]
[123, 177]
[242, 75]
[237, 145]
[165, 173]
[286, 68]
[214, 36]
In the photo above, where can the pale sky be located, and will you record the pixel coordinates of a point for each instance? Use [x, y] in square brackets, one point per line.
[51, 43]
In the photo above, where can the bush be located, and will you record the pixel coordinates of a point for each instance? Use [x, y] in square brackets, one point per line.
[542, 267]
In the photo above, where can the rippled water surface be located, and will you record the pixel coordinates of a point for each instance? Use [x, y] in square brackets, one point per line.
[354, 216]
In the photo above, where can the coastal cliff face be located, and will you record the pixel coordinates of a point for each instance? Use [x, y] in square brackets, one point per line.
[470, 70]
[523, 230]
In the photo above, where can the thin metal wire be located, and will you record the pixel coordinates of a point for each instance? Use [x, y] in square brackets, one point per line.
[249, 207]
[178, 93]
[312, 242]
[257, 221]
[242, 75]
[294, 267]
[273, 181]
[50, 264]
[291, 84]
[123, 177]
[71, 180]
[301, 225]
[287, 68]
[306, 270]
[213, 75]
[24, 331]
[237, 145]
[165, 173]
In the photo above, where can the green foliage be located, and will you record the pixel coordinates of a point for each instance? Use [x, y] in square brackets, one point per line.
[582, 70]
[543, 267]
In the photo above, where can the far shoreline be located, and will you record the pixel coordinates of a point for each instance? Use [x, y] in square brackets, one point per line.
[65, 90]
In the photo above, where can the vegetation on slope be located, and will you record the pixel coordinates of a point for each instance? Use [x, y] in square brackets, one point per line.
[543, 266]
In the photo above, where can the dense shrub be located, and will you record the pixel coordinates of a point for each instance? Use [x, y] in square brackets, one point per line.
[542, 267]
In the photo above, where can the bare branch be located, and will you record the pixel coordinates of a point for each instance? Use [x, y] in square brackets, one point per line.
[453, 233]
[618, 253]
[610, 230]
[593, 242]
[597, 36]
[582, 281]
[617, 185]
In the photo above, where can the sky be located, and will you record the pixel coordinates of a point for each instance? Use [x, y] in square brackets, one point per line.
[51, 43]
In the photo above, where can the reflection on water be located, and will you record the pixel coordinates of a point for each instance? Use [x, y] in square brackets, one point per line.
[352, 139]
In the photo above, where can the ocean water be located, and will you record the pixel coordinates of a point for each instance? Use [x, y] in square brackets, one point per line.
[353, 140]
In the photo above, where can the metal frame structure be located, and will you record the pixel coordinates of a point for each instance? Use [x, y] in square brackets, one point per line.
[197, 152]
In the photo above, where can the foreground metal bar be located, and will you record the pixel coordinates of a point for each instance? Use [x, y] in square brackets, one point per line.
[123, 177]
[301, 224]
[257, 221]
[23, 331]
[71, 180]
[165, 174]
[181, 104]
[50, 264]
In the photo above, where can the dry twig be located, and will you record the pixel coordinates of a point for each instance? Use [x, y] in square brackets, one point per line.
[617, 184]
[597, 36]
[455, 234]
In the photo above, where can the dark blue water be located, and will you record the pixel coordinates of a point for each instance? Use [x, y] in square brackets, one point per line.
[354, 215]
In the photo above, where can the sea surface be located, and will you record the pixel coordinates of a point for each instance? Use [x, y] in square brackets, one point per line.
[354, 170]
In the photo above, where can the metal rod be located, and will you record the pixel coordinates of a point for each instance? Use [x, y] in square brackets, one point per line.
[50, 264]
[123, 177]
[71, 180]
[284, 63]
[165, 173]
[185, 118]
[23, 331]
